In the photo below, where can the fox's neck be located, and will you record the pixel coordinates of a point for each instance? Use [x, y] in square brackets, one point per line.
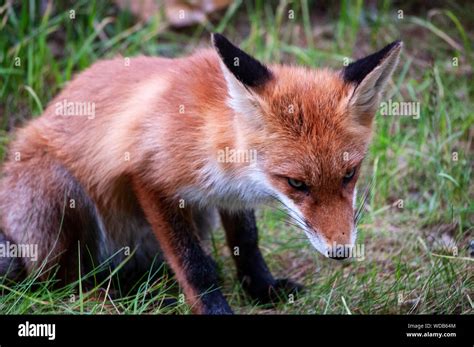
[227, 150]
[230, 175]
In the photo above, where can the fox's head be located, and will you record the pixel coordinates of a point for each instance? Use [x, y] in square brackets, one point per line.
[311, 129]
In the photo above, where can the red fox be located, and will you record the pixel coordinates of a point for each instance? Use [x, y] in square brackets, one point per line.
[165, 144]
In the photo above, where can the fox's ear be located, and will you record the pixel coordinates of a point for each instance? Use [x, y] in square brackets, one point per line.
[248, 70]
[243, 75]
[370, 75]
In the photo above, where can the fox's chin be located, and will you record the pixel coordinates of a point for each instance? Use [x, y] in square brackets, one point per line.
[317, 242]
[323, 247]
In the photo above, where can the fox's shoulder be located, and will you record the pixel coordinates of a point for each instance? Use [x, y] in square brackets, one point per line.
[121, 74]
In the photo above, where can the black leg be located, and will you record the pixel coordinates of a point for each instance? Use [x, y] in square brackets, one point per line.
[199, 271]
[195, 271]
[242, 238]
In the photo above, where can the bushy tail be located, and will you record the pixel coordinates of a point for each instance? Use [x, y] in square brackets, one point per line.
[10, 267]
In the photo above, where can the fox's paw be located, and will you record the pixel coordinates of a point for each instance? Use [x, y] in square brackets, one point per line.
[284, 287]
[279, 291]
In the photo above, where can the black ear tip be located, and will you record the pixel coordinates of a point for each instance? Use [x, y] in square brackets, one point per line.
[247, 70]
[398, 44]
[356, 71]
[218, 40]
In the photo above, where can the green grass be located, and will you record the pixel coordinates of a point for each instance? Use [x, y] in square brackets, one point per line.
[410, 159]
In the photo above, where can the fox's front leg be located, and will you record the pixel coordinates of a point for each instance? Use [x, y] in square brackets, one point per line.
[194, 270]
[252, 271]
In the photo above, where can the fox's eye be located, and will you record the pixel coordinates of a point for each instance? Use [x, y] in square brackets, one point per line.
[349, 175]
[299, 185]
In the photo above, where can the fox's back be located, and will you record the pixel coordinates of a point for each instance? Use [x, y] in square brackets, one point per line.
[121, 100]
